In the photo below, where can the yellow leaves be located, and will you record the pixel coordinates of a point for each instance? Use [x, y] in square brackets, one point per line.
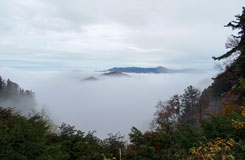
[228, 108]
[209, 156]
[233, 107]
[192, 150]
[218, 149]
[105, 158]
[232, 157]
[231, 142]
[238, 125]
[243, 112]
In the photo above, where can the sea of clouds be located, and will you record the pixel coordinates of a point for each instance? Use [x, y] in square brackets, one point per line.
[107, 105]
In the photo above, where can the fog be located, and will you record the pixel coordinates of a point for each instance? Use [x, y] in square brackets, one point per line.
[20, 103]
[107, 105]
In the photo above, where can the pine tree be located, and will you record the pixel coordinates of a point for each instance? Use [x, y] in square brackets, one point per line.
[190, 105]
[240, 25]
[236, 70]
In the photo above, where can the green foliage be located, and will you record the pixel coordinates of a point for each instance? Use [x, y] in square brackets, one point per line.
[112, 144]
[24, 138]
[179, 142]
[220, 126]
[171, 143]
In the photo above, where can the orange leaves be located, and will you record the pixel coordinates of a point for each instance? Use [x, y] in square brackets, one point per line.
[229, 108]
[228, 149]
[238, 125]
[218, 149]
[243, 112]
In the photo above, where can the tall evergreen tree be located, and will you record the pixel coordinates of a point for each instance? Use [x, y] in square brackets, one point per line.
[229, 78]
[240, 25]
[190, 105]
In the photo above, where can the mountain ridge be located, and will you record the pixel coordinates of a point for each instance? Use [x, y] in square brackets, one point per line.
[157, 70]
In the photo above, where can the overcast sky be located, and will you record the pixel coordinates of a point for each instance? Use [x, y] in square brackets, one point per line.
[99, 34]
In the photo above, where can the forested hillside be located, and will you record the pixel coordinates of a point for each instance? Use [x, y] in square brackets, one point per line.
[195, 125]
[11, 95]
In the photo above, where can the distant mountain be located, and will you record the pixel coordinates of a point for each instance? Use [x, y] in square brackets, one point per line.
[91, 78]
[106, 74]
[115, 73]
[159, 69]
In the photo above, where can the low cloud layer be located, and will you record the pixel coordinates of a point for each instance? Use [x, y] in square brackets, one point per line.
[108, 105]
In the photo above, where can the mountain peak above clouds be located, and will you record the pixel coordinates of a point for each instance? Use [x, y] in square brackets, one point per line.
[158, 70]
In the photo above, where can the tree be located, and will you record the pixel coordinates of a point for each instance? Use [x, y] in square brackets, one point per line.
[113, 144]
[183, 108]
[1, 83]
[167, 112]
[236, 69]
[234, 44]
[190, 105]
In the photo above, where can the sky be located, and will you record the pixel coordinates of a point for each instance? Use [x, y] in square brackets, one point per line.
[100, 34]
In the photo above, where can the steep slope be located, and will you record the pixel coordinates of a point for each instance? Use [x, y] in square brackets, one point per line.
[11, 95]
[228, 87]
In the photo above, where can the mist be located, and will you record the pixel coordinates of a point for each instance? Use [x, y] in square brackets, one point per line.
[107, 105]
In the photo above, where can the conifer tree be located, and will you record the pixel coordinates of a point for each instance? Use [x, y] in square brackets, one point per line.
[236, 70]
[239, 24]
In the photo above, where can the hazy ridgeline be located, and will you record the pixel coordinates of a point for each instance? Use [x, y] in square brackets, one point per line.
[12, 96]
[107, 105]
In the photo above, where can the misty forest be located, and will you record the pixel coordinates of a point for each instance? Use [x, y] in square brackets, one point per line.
[194, 124]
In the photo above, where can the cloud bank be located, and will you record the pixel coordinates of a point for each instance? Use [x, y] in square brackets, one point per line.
[108, 105]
